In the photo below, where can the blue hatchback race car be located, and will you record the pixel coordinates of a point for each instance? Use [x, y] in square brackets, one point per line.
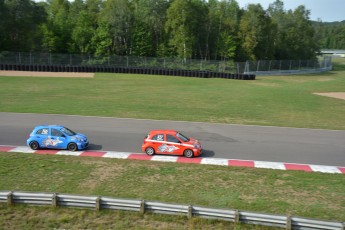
[56, 137]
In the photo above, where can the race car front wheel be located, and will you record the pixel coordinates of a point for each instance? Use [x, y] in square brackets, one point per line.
[72, 147]
[188, 153]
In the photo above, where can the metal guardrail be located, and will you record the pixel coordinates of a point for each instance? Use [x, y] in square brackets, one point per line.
[99, 202]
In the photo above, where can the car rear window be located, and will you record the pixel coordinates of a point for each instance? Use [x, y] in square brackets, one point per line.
[158, 137]
[43, 131]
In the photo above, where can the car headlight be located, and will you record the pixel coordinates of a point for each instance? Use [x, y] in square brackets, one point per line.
[197, 146]
[76, 138]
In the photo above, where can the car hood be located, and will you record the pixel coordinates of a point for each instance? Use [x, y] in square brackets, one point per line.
[80, 136]
[193, 141]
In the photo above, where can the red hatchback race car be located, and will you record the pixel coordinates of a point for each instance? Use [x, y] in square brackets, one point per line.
[170, 142]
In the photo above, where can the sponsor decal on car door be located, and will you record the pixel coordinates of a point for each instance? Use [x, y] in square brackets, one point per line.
[171, 145]
[56, 140]
[41, 135]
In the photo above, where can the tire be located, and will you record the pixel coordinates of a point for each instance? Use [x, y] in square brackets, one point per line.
[72, 147]
[34, 145]
[188, 153]
[150, 151]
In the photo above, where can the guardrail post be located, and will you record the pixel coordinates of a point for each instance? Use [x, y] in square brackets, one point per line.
[98, 203]
[237, 216]
[54, 200]
[344, 226]
[142, 207]
[190, 212]
[288, 223]
[10, 198]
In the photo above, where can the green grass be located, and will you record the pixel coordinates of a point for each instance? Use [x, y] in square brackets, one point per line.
[313, 195]
[23, 217]
[269, 100]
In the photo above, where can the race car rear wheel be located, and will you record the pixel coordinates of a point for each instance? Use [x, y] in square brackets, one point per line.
[72, 147]
[34, 145]
[150, 151]
[188, 153]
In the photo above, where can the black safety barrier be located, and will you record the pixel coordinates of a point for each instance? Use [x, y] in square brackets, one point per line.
[121, 69]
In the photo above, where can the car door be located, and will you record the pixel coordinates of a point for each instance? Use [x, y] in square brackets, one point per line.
[41, 135]
[173, 145]
[157, 141]
[58, 139]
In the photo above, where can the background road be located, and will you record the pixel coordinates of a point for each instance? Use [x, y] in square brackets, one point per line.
[288, 145]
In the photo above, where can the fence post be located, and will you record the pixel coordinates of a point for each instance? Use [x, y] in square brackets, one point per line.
[288, 223]
[190, 212]
[54, 200]
[10, 198]
[258, 66]
[98, 203]
[142, 206]
[237, 216]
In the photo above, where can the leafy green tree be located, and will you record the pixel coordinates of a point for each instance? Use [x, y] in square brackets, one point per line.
[102, 41]
[295, 38]
[183, 25]
[20, 21]
[223, 24]
[118, 16]
[330, 35]
[300, 35]
[82, 23]
[3, 16]
[148, 26]
[57, 31]
[256, 33]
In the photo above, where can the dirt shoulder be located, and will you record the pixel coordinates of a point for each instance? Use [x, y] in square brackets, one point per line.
[339, 95]
[45, 74]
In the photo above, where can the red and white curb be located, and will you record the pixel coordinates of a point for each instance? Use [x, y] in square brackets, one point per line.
[197, 160]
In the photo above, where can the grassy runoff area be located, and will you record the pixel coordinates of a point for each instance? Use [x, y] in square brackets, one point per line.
[315, 195]
[269, 100]
[278, 101]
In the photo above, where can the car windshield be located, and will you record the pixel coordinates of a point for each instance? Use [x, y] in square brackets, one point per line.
[68, 131]
[182, 137]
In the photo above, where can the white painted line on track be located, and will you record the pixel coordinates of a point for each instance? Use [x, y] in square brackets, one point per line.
[325, 169]
[22, 149]
[269, 165]
[69, 153]
[119, 155]
[164, 158]
[214, 161]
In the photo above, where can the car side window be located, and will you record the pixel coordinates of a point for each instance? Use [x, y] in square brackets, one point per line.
[57, 133]
[42, 131]
[158, 137]
[173, 139]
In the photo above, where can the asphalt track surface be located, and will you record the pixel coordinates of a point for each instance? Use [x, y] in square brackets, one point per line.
[275, 144]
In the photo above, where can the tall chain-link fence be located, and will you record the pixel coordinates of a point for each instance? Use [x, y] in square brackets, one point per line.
[261, 67]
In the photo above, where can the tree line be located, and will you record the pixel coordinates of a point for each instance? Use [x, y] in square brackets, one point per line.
[198, 29]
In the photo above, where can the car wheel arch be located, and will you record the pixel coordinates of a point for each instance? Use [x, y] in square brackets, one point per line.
[187, 155]
[72, 144]
[153, 151]
[34, 145]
